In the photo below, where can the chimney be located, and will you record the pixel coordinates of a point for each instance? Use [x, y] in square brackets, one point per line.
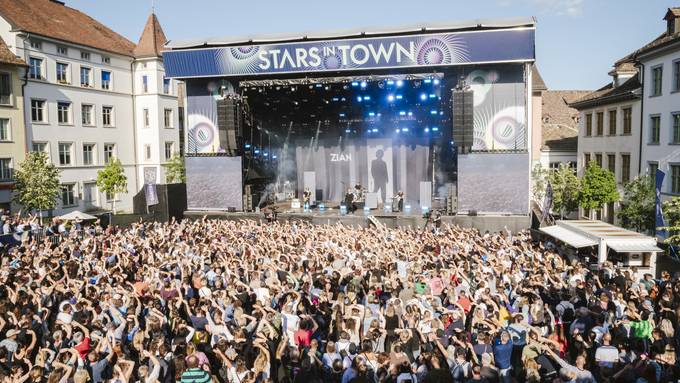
[672, 21]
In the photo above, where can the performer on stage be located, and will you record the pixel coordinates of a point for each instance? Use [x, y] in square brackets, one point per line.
[349, 201]
[400, 201]
[306, 198]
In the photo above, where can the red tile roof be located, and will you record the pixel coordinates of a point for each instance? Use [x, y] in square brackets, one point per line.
[7, 57]
[609, 94]
[152, 40]
[53, 19]
[559, 121]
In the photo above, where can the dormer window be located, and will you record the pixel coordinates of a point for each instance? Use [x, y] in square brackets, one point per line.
[671, 26]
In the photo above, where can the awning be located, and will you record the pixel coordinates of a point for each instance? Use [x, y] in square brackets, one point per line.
[633, 246]
[569, 237]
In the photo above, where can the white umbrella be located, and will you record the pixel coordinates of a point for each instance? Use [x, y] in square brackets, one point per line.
[77, 215]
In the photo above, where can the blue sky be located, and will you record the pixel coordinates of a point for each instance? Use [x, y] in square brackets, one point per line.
[577, 40]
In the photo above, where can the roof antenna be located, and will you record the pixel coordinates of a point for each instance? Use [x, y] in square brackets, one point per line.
[153, 6]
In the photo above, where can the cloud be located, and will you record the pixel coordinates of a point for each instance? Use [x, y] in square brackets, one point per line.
[572, 8]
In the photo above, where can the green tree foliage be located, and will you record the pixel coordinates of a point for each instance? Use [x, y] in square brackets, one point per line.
[539, 181]
[37, 183]
[598, 187]
[671, 213]
[566, 188]
[112, 180]
[638, 207]
[174, 170]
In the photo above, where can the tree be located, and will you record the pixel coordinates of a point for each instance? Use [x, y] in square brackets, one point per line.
[539, 181]
[112, 180]
[598, 188]
[671, 213]
[174, 170]
[566, 187]
[638, 208]
[37, 183]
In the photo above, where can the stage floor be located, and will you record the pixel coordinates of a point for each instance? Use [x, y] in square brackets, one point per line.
[491, 223]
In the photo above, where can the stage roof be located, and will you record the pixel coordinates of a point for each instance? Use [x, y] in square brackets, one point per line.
[476, 24]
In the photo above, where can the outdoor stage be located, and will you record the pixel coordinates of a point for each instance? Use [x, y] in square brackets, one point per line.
[491, 223]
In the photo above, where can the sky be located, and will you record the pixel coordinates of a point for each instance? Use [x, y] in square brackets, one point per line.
[577, 41]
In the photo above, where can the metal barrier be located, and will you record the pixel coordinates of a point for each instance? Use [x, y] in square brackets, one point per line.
[37, 236]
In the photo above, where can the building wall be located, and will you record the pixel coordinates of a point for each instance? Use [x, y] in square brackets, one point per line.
[549, 158]
[536, 136]
[666, 153]
[13, 148]
[618, 145]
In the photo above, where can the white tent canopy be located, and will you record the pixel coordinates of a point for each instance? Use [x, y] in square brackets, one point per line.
[74, 215]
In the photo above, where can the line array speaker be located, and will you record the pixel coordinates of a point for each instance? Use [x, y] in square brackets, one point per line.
[463, 119]
[229, 118]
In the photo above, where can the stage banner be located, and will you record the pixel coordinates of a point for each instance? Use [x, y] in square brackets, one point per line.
[424, 50]
[214, 183]
[150, 194]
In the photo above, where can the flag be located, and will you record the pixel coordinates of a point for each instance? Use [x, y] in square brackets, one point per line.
[150, 194]
[547, 202]
[659, 212]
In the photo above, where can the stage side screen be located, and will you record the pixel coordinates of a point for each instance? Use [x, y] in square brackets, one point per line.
[493, 183]
[214, 183]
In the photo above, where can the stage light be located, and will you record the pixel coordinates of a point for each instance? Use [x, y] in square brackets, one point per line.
[342, 115]
[319, 85]
[335, 99]
[427, 130]
[322, 207]
[363, 84]
[400, 83]
[257, 151]
[274, 157]
[404, 129]
[399, 97]
[343, 99]
[327, 87]
[407, 208]
[367, 210]
[410, 114]
[428, 80]
[379, 114]
[441, 113]
[433, 112]
[371, 114]
[433, 95]
[374, 130]
[390, 98]
[359, 98]
[402, 113]
[265, 154]
[424, 209]
[423, 97]
[366, 98]
[397, 130]
[354, 83]
[348, 131]
[435, 129]
[436, 81]
[293, 88]
[247, 146]
[390, 82]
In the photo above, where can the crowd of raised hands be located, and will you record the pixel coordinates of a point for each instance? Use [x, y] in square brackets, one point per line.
[245, 301]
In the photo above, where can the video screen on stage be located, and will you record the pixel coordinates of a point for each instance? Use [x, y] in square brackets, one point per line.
[214, 183]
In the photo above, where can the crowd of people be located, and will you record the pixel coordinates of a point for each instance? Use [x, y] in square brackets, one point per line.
[244, 301]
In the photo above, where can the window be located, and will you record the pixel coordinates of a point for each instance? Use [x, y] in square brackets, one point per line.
[675, 179]
[600, 123]
[589, 125]
[612, 122]
[36, 44]
[586, 160]
[85, 56]
[106, 59]
[107, 116]
[5, 89]
[5, 168]
[145, 84]
[167, 118]
[611, 163]
[106, 80]
[88, 154]
[38, 111]
[627, 120]
[145, 115]
[64, 112]
[86, 112]
[676, 127]
[147, 152]
[85, 76]
[35, 68]
[676, 76]
[652, 168]
[65, 153]
[68, 197]
[625, 168]
[166, 85]
[657, 80]
[170, 149]
[5, 130]
[109, 152]
[552, 166]
[40, 147]
[110, 196]
[62, 51]
[654, 129]
[598, 159]
[62, 73]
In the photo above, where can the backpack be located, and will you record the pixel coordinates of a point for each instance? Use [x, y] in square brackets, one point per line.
[459, 372]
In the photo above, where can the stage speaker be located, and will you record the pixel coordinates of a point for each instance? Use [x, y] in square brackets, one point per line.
[229, 125]
[425, 194]
[319, 194]
[463, 119]
[472, 213]
[172, 202]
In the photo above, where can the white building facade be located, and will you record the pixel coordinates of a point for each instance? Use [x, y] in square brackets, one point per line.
[84, 104]
[659, 63]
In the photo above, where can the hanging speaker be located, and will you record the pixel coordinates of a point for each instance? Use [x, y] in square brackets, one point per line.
[229, 125]
[463, 119]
